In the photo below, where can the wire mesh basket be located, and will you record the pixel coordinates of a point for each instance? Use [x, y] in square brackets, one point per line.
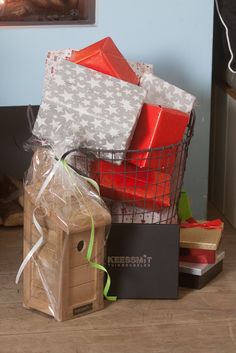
[143, 187]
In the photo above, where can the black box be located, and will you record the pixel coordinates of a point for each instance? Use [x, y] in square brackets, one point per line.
[143, 261]
[198, 282]
[196, 276]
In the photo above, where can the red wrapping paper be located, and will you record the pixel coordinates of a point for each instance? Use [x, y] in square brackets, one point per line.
[201, 236]
[136, 187]
[192, 223]
[201, 256]
[157, 127]
[105, 57]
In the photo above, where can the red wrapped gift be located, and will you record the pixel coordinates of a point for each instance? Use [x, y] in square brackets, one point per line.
[105, 57]
[199, 240]
[200, 256]
[157, 127]
[127, 183]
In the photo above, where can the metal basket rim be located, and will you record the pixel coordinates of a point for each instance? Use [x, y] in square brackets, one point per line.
[103, 151]
[97, 151]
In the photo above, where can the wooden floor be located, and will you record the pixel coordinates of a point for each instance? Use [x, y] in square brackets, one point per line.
[199, 321]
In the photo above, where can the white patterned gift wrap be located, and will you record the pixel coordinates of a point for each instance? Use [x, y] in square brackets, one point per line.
[160, 92]
[54, 57]
[52, 60]
[124, 213]
[141, 68]
[82, 107]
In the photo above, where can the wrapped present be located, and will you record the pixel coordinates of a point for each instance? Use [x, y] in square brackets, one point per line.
[134, 175]
[105, 57]
[199, 256]
[52, 60]
[124, 213]
[196, 276]
[199, 241]
[54, 57]
[61, 209]
[200, 269]
[160, 92]
[141, 68]
[149, 190]
[157, 127]
[143, 260]
[201, 234]
[82, 107]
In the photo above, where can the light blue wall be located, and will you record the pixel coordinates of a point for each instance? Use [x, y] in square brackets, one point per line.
[174, 35]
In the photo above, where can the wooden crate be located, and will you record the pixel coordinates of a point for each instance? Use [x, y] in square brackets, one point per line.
[74, 288]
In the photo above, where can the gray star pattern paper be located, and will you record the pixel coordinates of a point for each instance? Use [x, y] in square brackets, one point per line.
[160, 92]
[82, 107]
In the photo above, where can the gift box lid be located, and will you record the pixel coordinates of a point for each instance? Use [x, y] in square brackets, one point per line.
[105, 57]
[82, 107]
[163, 93]
[200, 269]
[158, 126]
[200, 236]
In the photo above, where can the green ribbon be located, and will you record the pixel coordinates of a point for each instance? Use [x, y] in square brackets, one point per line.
[92, 235]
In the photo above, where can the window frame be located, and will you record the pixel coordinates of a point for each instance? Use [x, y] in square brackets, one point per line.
[87, 17]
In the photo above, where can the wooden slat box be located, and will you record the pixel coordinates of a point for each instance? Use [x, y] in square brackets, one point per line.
[59, 280]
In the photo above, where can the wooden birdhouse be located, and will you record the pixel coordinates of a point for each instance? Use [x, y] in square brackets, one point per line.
[58, 280]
